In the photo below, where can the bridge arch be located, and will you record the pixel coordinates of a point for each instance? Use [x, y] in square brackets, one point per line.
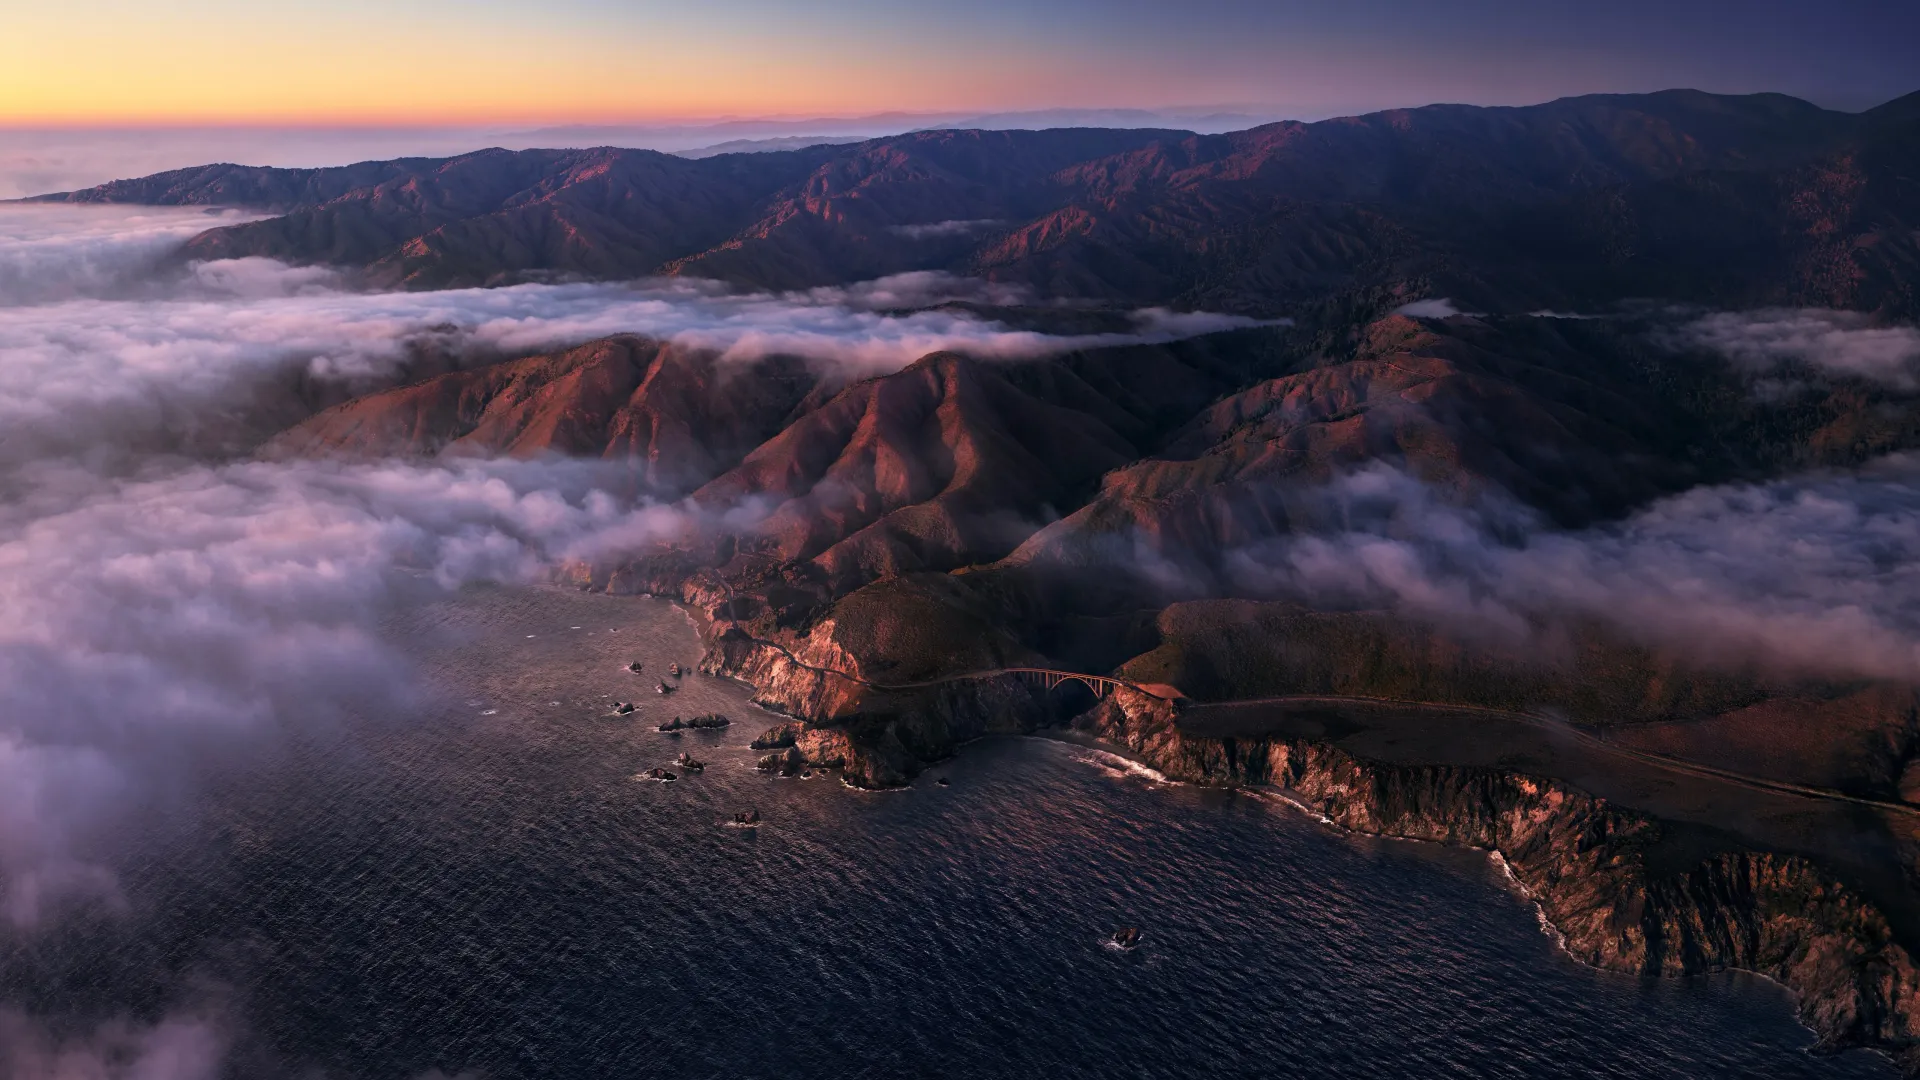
[1051, 679]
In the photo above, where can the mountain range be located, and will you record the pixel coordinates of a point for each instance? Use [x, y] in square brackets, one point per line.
[1036, 489]
[1578, 203]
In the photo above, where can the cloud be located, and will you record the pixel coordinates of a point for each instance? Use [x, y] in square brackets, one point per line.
[903, 292]
[1161, 324]
[1837, 342]
[156, 623]
[940, 230]
[52, 252]
[1436, 308]
[230, 351]
[1816, 574]
[179, 1047]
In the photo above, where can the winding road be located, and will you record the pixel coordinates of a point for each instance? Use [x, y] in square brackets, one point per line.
[1103, 685]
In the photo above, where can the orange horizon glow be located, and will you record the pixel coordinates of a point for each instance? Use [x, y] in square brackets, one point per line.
[147, 68]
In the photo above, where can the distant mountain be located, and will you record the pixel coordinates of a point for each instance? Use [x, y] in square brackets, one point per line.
[1761, 199]
[763, 146]
[685, 136]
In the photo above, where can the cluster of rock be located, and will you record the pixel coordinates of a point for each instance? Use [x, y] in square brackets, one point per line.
[801, 748]
[787, 762]
[707, 720]
[778, 737]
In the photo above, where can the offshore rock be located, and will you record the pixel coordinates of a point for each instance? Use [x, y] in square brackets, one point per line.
[787, 762]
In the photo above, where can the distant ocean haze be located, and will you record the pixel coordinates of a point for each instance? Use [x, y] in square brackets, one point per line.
[40, 160]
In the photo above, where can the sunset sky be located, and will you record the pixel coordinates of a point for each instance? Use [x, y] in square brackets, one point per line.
[442, 61]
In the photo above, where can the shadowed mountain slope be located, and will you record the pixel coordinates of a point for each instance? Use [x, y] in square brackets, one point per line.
[955, 460]
[1579, 422]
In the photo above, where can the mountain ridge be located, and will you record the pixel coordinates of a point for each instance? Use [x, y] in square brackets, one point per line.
[1571, 204]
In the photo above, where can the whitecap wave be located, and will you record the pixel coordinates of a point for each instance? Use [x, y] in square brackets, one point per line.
[1125, 766]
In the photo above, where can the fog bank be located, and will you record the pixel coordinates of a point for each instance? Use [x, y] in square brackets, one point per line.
[1816, 575]
[103, 352]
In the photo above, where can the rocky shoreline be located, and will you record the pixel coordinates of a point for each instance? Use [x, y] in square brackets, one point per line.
[1583, 860]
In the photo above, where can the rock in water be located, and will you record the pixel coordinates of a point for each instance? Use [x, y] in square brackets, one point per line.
[786, 762]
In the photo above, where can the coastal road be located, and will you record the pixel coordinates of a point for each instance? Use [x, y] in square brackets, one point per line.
[1102, 684]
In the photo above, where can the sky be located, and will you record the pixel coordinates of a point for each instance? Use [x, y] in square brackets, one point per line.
[487, 61]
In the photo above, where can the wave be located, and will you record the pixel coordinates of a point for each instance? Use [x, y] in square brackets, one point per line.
[1126, 766]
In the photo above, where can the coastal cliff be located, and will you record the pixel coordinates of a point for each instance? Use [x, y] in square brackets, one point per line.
[878, 737]
[1586, 863]
[1597, 870]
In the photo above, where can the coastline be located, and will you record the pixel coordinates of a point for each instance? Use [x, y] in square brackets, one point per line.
[1624, 890]
[1598, 873]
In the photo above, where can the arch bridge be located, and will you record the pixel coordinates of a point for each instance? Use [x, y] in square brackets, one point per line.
[1049, 678]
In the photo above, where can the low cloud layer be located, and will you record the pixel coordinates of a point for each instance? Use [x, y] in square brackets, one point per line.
[214, 344]
[78, 367]
[159, 629]
[153, 622]
[941, 230]
[1835, 342]
[56, 252]
[1812, 575]
[182, 1047]
[1436, 308]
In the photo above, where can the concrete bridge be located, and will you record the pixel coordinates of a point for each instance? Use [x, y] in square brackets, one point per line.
[1049, 679]
[1101, 685]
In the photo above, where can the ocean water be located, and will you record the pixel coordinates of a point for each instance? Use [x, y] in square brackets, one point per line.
[483, 887]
